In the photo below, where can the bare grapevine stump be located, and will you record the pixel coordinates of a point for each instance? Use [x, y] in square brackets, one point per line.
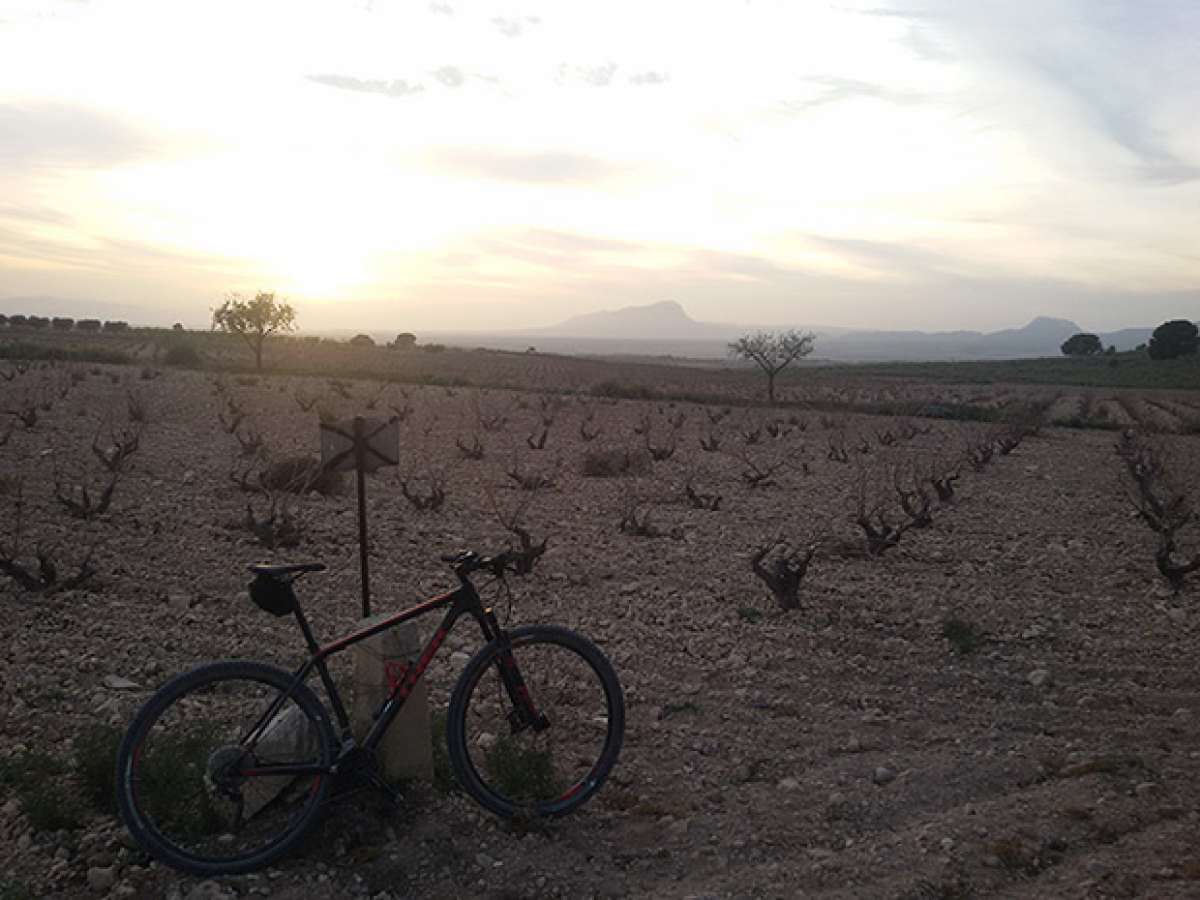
[407, 749]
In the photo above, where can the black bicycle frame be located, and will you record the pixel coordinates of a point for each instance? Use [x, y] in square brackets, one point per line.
[464, 600]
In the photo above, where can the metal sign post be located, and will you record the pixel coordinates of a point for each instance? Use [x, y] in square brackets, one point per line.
[363, 445]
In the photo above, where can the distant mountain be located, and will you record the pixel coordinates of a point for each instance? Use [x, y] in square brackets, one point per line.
[666, 320]
[666, 328]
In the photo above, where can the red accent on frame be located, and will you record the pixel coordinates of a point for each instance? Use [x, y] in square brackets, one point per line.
[394, 670]
[342, 642]
[415, 673]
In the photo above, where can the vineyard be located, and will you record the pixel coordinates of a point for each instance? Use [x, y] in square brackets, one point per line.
[1158, 396]
[886, 639]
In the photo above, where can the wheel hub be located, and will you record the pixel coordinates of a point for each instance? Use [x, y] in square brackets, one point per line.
[221, 774]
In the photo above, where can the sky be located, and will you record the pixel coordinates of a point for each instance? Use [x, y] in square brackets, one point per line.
[475, 165]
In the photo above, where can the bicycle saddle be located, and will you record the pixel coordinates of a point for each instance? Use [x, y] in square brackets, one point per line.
[271, 571]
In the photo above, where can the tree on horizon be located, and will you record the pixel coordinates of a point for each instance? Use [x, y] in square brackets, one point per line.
[254, 320]
[773, 351]
[1179, 337]
[1081, 345]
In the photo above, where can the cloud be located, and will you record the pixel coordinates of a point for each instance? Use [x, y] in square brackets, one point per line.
[450, 76]
[568, 255]
[82, 252]
[834, 89]
[648, 78]
[549, 167]
[1073, 75]
[441, 8]
[40, 215]
[889, 257]
[1118, 114]
[596, 76]
[395, 88]
[63, 136]
[513, 26]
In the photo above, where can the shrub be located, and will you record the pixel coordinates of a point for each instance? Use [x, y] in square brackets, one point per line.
[963, 636]
[443, 774]
[615, 462]
[300, 474]
[95, 765]
[524, 773]
[25, 350]
[36, 780]
[621, 391]
[14, 890]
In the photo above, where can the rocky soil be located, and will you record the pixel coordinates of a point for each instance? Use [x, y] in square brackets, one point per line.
[845, 749]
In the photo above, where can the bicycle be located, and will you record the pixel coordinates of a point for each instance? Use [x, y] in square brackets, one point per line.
[227, 766]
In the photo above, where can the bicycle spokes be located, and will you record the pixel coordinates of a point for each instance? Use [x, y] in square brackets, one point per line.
[536, 723]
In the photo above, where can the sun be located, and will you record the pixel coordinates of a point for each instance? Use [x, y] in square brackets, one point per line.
[319, 269]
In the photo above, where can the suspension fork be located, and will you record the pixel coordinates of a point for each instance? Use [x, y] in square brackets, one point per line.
[525, 713]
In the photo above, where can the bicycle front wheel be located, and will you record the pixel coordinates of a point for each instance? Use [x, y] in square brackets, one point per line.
[535, 723]
[218, 774]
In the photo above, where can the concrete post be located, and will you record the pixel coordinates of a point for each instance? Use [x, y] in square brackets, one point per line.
[407, 749]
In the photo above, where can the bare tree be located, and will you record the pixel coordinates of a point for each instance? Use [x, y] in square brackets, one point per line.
[304, 400]
[41, 574]
[941, 477]
[1162, 502]
[837, 447]
[871, 515]
[426, 491]
[914, 498]
[773, 351]
[528, 480]
[757, 473]
[473, 450]
[637, 516]
[119, 448]
[700, 499]
[278, 526]
[526, 558]
[659, 452]
[784, 573]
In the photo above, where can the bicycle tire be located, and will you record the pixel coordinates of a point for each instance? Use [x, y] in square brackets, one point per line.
[525, 773]
[151, 781]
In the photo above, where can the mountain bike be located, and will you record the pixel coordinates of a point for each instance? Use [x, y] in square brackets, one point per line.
[226, 767]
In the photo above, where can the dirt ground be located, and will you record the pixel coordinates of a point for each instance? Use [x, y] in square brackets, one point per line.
[844, 749]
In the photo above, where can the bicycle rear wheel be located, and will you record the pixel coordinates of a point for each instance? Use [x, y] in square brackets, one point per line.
[195, 779]
[517, 765]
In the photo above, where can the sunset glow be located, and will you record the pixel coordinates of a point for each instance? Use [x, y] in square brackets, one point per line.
[420, 163]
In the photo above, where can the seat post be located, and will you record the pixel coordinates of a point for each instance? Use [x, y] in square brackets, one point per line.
[307, 632]
[323, 671]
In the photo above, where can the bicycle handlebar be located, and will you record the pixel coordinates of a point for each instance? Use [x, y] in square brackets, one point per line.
[467, 561]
